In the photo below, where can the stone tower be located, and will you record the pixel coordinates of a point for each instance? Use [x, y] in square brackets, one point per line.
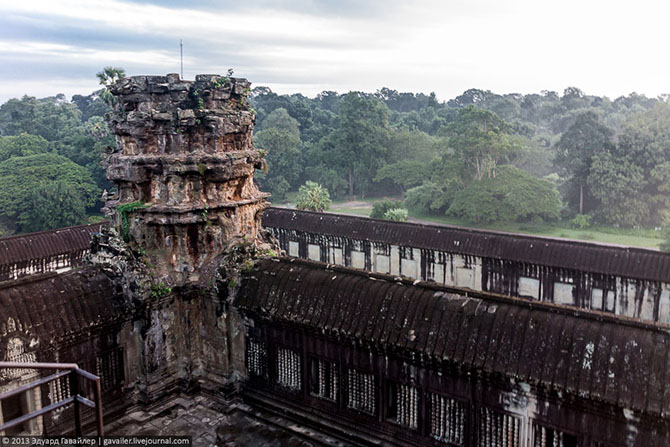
[183, 168]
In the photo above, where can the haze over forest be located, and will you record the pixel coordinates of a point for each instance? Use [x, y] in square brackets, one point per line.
[495, 112]
[482, 157]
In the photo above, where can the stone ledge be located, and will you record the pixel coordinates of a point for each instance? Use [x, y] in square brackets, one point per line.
[187, 158]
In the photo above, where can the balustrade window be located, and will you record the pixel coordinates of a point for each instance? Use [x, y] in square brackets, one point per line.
[109, 367]
[288, 369]
[257, 358]
[496, 429]
[402, 404]
[447, 419]
[381, 249]
[59, 389]
[361, 391]
[323, 379]
[549, 437]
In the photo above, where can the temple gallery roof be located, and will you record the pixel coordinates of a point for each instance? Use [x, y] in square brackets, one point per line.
[54, 307]
[26, 247]
[563, 253]
[603, 357]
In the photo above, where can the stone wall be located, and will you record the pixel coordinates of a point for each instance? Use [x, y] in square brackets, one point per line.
[184, 162]
[183, 168]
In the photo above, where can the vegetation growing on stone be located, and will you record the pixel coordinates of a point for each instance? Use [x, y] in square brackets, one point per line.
[160, 290]
[222, 81]
[123, 210]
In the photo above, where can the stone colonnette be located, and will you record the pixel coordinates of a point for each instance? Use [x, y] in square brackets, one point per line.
[183, 168]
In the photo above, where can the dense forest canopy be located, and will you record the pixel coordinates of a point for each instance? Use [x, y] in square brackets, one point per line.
[482, 156]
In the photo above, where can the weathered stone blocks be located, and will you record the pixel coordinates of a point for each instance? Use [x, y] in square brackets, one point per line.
[185, 151]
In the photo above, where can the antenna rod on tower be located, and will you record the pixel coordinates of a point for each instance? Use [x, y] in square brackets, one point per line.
[181, 57]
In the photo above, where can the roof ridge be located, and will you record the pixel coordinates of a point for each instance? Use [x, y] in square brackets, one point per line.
[52, 231]
[489, 296]
[478, 230]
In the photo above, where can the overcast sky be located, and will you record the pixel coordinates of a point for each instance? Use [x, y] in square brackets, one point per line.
[608, 48]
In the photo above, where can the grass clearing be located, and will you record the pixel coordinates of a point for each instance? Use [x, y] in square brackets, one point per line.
[358, 211]
[642, 237]
[632, 237]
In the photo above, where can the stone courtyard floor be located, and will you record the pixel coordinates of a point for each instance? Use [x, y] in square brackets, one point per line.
[211, 424]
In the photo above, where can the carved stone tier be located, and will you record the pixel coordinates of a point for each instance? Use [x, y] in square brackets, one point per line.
[185, 153]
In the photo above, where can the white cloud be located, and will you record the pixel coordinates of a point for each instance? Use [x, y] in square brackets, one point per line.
[208, 26]
[523, 46]
[74, 54]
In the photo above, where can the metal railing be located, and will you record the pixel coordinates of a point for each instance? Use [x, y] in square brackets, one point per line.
[74, 374]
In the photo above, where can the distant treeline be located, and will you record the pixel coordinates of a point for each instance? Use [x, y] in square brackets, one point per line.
[481, 156]
[50, 173]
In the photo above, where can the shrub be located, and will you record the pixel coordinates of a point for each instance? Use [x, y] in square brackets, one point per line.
[581, 222]
[380, 208]
[313, 197]
[396, 214]
[512, 195]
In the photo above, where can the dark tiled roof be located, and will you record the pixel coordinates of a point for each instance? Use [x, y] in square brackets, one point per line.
[54, 308]
[563, 253]
[598, 356]
[25, 247]
[38, 252]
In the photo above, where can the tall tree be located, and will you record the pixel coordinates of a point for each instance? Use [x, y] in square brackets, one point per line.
[585, 138]
[404, 174]
[23, 180]
[91, 105]
[645, 141]
[22, 145]
[482, 140]
[52, 205]
[51, 118]
[512, 195]
[85, 144]
[361, 135]
[618, 184]
[280, 139]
